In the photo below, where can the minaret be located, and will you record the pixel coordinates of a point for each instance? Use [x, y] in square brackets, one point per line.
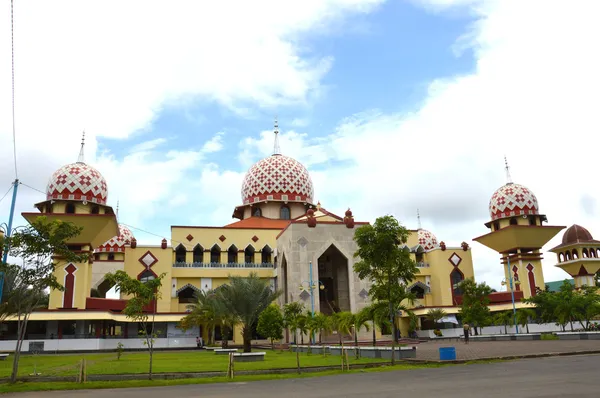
[579, 255]
[276, 148]
[518, 235]
[81, 158]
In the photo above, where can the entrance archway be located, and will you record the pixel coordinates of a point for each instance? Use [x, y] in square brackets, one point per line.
[333, 273]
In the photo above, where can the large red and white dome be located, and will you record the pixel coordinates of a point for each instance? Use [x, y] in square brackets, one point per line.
[427, 239]
[117, 243]
[513, 200]
[77, 181]
[278, 178]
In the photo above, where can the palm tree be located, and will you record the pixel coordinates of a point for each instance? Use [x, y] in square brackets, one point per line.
[436, 315]
[302, 325]
[503, 318]
[207, 310]
[358, 320]
[523, 316]
[320, 323]
[291, 312]
[246, 298]
[378, 314]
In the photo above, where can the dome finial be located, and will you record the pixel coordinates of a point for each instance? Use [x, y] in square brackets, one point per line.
[507, 168]
[419, 219]
[117, 209]
[276, 148]
[80, 159]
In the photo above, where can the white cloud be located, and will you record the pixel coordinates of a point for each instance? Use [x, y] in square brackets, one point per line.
[82, 65]
[215, 144]
[532, 97]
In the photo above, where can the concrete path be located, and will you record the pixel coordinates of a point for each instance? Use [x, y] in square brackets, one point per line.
[556, 377]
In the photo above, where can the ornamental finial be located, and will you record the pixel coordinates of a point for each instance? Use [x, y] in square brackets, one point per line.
[276, 148]
[507, 169]
[419, 219]
[80, 159]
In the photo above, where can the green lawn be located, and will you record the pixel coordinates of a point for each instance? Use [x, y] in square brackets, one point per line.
[180, 361]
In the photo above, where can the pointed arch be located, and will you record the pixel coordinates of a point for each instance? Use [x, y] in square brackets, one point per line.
[215, 254]
[266, 255]
[187, 286]
[180, 253]
[249, 254]
[198, 254]
[232, 254]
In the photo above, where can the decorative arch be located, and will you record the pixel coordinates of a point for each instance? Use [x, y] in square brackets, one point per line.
[232, 254]
[266, 255]
[419, 289]
[561, 257]
[575, 255]
[456, 277]
[180, 253]
[186, 286]
[69, 291]
[215, 254]
[198, 254]
[584, 253]
[568, 256]
[531, 279]
[249, 254]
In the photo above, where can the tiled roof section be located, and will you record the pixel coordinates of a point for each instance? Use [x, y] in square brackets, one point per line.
[259, 223]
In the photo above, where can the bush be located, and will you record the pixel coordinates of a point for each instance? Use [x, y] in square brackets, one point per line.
[548, 336]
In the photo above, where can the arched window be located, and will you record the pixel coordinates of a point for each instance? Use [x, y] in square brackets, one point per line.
[418, 291]
[215, 254]
[180, 253]
[584, 253]
[575, 255]
[561, 257]
[249, 254]
[257, 212]
[456, 277]
[266, 255]
[284, 213]
[70, 208]
[567, 255]
[111, 256]
[232, 255]
[147, 276]
[198, 254]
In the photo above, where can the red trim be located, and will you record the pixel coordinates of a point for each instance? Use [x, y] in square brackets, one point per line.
[139, 277]
[455, 299]
[531, 278]
[69, 286]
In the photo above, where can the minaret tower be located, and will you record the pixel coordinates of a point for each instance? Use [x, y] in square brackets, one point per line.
[77, 193]
[579, 255]
[518, 235]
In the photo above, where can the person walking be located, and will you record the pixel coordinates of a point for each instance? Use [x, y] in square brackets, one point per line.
[466, 330]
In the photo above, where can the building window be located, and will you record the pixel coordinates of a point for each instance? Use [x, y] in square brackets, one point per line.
[180, 253]
[232, 254]
[70, 208]
[513, 221]
[284, 213]
[456, 277]
[95, 209]
[418, 291]
[257, 212]
[532, 220]
[147, 276]
[198, 254]
[111, 256]
[249, 254]
[496, 225]
[267, 254]
[215, 254]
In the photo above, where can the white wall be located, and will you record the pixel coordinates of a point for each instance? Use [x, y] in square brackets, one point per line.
[99, 344]
[533, 328]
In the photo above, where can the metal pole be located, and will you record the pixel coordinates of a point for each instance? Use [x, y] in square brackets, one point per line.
[512, 292]
[312, 297]
[8, 232]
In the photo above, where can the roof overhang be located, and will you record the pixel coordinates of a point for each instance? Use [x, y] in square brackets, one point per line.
[511, 237]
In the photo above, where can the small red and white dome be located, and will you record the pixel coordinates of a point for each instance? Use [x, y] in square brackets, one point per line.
[427, 239]
[117, 243]
[513, 200]
[277, 178]
[77, 181]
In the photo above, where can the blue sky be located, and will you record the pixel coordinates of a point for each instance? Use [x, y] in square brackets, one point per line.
[392, 106]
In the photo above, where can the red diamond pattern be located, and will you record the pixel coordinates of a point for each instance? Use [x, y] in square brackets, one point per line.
[275, 176]
[255, 238]
[189, 237]
[222, 238]
[77, 181]
[513, 200]
[116, 243]
[427, 239]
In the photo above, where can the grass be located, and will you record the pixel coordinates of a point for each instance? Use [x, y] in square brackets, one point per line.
[548, 336]
[164, 362]
[48, 386]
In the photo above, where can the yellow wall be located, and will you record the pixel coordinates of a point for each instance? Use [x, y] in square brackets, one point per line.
[82, 284]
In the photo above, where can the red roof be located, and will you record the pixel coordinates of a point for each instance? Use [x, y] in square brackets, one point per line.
[259, 223]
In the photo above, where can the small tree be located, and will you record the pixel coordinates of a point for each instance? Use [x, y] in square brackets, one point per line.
[246, 298]
[291, 314]
[503, 318]
[145, 296]
[475, 299]
[523, 316]
[385, 261]
[270, 324]
[24, 290]
[319, 323]
[436, 315]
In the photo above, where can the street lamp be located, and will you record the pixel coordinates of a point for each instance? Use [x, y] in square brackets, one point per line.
[512, 291]
[310, 286]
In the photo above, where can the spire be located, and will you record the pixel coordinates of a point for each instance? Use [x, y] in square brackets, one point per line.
[276, 148]
[80, 159]
[419, 219]
[117, 210]
[507, 168]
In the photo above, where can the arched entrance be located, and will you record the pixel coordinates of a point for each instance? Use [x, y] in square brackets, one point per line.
[333, 274]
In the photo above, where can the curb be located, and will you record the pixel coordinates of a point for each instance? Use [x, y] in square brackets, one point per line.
[508, 357]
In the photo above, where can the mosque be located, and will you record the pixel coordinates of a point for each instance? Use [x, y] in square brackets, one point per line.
[281, 234]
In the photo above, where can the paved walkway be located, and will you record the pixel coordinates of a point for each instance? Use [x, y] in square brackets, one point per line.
[494, 349]
[558, 377]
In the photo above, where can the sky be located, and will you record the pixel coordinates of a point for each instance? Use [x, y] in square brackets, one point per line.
[393, 106]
